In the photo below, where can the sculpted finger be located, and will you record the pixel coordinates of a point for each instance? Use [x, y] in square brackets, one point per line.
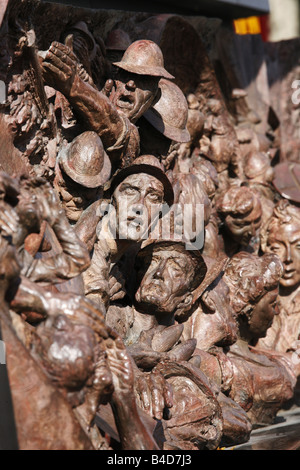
[52, 58]
[157, 403]
[62, 51]
[108, 87]
[168, 395]
[114, 288]
[146, 402]
[183, 351]
[50, 72]
[11, 217]
[118, 296]
[7, 228]
[166, 339]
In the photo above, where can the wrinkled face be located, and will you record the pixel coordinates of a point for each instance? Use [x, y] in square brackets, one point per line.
[74, 197]
[134, 94]
[137, 201]
[284, 241]
[244, 228]
[164, 280]
[263, 314]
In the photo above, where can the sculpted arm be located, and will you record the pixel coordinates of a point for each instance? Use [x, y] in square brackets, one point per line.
[61, 71]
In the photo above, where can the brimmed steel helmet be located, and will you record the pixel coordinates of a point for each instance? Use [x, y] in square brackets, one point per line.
[169, 113]
[144, 57]
[117, 40]
[85, 161]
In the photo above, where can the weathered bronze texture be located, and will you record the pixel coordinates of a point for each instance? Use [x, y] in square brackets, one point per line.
[149, 229]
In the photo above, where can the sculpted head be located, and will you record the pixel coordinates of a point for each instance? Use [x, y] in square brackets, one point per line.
[282, 237]
[136, 83]
[257, 168]
[134, 94]
[138, 193]
[241, 210]
[82, 169]
[167, 276]
[253, 282]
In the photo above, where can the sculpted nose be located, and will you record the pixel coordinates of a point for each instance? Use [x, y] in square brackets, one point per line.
[288, 255]
[138, 209]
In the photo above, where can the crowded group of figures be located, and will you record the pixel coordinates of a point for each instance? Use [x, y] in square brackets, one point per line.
[120, 341]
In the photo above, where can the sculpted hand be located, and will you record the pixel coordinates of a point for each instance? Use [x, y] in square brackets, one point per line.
[237, 426]
[8, 217]
[121, 368]
[106, 90]
[116, 284]
[154, 393]
[59, 67]
[161, 344]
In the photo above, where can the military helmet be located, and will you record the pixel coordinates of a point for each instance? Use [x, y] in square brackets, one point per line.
[144, 57]
[169, 113]
[85, 161]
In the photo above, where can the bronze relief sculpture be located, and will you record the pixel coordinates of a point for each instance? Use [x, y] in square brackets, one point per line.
[149, 249]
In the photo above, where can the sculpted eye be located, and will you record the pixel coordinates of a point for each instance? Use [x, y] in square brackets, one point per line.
[275, 248]
[154, 197]
[128, 190]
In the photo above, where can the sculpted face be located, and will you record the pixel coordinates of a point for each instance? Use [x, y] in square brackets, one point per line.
[165, 279]
[137, 201]
[263, 314]
[73, 196]
[284, 241]
[244, 228]
[134, 94]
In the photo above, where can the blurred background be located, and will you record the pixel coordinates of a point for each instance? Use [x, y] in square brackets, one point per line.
[281, 23]
[275, 20]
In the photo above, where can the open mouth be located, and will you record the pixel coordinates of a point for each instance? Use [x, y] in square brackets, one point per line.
[125, 101]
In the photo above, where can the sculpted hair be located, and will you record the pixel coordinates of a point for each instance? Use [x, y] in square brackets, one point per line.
[249, 277]
[239, 201]
[284, 213]
[189, 189]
